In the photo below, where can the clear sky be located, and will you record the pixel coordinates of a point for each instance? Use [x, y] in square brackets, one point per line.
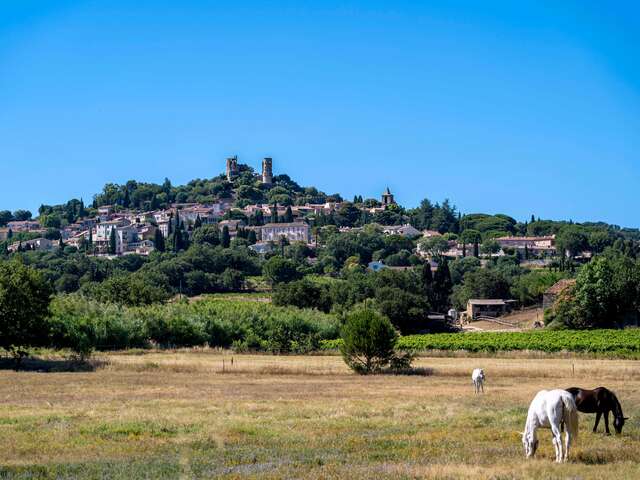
[518, 107]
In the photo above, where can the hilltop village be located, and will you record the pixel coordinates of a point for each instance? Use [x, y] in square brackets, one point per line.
[144, 243]
[117, 229]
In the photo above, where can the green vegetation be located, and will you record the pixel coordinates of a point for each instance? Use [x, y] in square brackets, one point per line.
[613, 342]
[24, 302]
[368, 341]
[84, 325]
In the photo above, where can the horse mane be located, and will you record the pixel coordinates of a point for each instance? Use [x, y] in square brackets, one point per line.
[618, 408]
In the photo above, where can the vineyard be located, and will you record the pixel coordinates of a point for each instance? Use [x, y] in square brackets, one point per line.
[606, 342]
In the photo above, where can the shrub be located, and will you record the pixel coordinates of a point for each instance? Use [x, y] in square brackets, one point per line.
[368, 341]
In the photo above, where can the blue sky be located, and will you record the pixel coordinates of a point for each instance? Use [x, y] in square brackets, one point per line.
[502, 106]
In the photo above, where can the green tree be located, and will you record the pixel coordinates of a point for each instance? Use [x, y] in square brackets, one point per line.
[158, 240]
[288, 215]
[112, 241]
[207, 235]
[225, 241]
[368, 341]
[435, 246]
[279, 270]
[24, 304]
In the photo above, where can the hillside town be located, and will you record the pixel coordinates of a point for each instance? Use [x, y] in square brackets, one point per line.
[116, 231]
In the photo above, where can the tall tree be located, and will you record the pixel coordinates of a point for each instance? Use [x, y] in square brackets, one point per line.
[226, 238]
[158, 240]
[24, 306]
[288, 215]
[112, 241]
[274, 213]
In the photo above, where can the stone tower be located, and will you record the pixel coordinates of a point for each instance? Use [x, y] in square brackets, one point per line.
[267, 173]
[232, 167]
[387, 198]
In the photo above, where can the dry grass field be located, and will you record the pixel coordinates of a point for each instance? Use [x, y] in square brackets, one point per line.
[179, 415]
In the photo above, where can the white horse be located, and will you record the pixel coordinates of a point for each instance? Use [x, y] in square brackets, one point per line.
[477, 377]
[551, 409]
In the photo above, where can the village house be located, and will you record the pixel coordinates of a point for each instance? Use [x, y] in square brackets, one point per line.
[40, 244]
[24, 226]
[405, 230]
[543, 246]
[294, 232]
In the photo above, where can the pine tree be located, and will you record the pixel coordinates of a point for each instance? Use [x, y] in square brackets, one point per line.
[112, 241]
[226, 238]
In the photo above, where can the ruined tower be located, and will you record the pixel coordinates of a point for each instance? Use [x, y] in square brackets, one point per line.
[267, 173]
[232, 167]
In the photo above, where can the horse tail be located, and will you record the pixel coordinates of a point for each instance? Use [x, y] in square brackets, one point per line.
[570, 415]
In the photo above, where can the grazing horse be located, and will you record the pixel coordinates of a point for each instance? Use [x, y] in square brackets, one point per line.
[551, 409]
[600, 401]
[477, 377]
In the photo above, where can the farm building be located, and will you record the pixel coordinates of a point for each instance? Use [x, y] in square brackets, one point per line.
[488, 307]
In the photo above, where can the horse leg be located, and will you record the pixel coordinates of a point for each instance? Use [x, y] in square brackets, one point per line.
[595, 427]
[606, 422]
[567, 445]
[482, 386]
[557, 443]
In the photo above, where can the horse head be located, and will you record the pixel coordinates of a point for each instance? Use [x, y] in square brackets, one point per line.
[530, 444]
[618, 423]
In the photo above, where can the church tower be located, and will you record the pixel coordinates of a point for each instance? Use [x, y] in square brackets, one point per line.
[267, 173]
[387, 198]
[232, 167]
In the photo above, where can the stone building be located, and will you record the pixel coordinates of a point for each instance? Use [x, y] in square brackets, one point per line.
[232, 167]
[267, 172]
[387, 198]
[294, 232]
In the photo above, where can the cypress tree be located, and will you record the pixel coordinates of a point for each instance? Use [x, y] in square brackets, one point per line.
[197, 223]
[288, 215]
[259, 218]
[60, 244]
[226, 238]
[274, 213]
[112, 241]
[158, 240]
[251, 238]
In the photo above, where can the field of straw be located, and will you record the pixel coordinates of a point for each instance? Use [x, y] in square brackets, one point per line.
[204, 414]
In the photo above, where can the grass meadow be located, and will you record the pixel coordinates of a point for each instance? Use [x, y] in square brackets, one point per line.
[195, 414]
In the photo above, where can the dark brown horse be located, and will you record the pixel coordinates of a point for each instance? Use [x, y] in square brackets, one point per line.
[600, 401]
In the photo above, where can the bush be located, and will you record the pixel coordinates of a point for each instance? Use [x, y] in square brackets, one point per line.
[368, 341]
